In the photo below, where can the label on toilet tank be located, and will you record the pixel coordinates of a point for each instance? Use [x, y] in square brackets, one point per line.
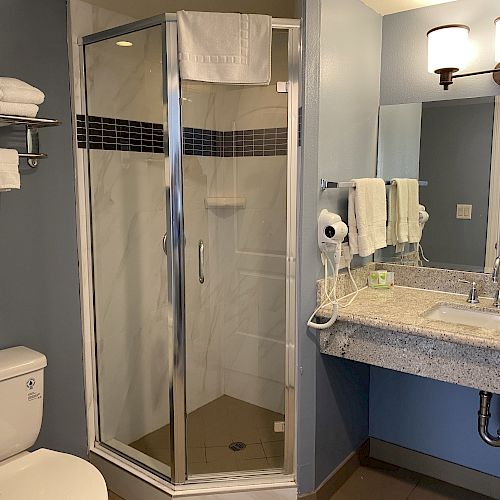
[33, 393]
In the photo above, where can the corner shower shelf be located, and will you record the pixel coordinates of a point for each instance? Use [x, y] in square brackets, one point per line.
[225, 202]
[32, 143]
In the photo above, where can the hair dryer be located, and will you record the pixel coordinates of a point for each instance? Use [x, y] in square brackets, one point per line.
[331, 234]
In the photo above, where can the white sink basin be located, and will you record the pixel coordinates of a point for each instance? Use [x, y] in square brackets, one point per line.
[468, 317]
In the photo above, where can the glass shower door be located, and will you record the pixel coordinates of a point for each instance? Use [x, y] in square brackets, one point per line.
[235, 225]
[128, 215]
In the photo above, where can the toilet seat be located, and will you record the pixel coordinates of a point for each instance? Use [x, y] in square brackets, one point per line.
[51, 475]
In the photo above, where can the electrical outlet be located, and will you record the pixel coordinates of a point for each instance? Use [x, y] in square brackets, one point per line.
[464, 211]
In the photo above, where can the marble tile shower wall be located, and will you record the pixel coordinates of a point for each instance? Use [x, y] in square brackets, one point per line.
[237, 347]
[254, 339]
[131, 306]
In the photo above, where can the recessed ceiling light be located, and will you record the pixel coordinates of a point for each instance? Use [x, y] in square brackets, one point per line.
[124, 43]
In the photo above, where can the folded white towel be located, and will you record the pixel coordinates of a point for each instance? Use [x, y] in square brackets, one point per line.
[367, 216]
[14, 90]
[9, 82]
[18, 109]
[403, 226]
[9, 170]
[224, 47]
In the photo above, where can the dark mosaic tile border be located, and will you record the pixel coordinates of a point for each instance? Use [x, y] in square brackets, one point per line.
[120, 135]
[125, 135]
[254, 142]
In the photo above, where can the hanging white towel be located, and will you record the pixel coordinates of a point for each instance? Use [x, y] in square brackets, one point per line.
[414, 233]
[18, 109]
[14, 90]
[224, 47]
[403, 226]
[367, 216]
[9, 170]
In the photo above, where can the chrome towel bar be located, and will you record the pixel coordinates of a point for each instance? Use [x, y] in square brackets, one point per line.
[324, 184]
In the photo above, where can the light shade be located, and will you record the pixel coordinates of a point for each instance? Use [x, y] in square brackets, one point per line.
[124, 43]
[497, 40]
[447, 47]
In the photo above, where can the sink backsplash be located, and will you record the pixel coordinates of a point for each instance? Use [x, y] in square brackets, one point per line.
[344, 283]
[441, 280]
[426, 278]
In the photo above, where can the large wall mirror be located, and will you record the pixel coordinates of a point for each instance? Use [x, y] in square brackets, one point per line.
[449, 144]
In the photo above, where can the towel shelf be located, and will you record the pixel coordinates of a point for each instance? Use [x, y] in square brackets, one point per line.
[324, 184]
[33, 156]
[6, 120]
[32, 142]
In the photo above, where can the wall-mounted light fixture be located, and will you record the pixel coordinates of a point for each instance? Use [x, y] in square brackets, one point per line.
[447, 51]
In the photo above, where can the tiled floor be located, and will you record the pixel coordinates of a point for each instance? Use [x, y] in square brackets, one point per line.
[210, 431]
[393, 483]
[386, 482]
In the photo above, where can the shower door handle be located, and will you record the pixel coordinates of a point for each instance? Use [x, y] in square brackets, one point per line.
[201, 261]
[164, 242]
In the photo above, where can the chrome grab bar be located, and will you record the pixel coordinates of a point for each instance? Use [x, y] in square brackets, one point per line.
[201, 261]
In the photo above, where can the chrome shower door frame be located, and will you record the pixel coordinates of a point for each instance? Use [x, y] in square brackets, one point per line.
[174, 249]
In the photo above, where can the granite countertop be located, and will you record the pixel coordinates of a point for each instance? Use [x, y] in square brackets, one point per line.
[401, 309]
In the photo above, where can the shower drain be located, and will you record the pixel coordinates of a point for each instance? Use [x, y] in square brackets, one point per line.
[237, 446]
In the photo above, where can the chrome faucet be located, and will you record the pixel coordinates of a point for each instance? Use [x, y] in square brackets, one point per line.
[473, 297]
[496, 270]
[494, 277]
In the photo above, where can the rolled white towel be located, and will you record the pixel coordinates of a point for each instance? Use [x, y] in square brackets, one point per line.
[9, 170]
[14, 90]
[18, 109]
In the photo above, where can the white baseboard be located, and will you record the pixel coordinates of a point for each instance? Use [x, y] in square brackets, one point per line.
[130, 486]
[458, 475]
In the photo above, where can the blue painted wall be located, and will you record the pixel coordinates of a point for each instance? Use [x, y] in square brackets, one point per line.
[431, 417]
[342, 389]
[404, 75]
[39, 291]
[347, 148]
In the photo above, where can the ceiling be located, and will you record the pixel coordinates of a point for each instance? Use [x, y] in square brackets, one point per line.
[384, 7]
[140, 9]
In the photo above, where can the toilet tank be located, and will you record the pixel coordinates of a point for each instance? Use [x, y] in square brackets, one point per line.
[21, 399]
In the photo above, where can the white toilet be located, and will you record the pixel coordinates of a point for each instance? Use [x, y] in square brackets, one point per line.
[42, 474]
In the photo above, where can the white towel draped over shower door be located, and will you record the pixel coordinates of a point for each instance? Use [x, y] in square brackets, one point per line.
[227, 48]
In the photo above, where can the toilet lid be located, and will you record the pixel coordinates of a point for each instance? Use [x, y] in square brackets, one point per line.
[50, 475]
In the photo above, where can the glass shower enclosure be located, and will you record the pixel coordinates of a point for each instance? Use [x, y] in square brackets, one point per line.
[191, 218]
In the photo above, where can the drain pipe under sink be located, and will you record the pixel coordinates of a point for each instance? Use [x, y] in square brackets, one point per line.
[483, 419]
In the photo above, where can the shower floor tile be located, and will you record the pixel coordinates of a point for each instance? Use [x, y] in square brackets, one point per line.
[210, 431]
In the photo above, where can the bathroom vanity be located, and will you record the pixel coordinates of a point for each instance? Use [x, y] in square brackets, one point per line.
[397, 328]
